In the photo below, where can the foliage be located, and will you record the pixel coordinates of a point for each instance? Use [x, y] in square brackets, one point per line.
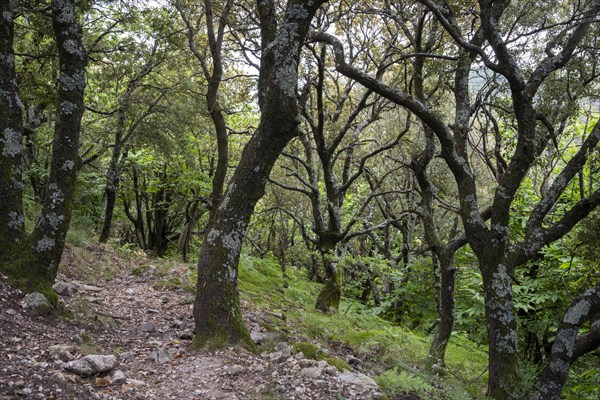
[395, 384]
[384, 346]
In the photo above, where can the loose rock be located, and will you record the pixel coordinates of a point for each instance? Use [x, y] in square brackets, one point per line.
[61, 352]
[312, 372]
[65, 288]
[235, 370]
[118, 376]
[147, 327]
[161, 356]
[358, 379]
[38, 303]
[91, 365]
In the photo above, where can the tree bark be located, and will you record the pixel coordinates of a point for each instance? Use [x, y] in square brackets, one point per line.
[217, 311]
[214, 78]
[331, 293]
[48, 237]
[437, 351]
[12, 220]
[568, 346]
[113, 178]
[35, 266]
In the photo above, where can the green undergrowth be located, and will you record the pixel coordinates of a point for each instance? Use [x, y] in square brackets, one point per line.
[394, 353]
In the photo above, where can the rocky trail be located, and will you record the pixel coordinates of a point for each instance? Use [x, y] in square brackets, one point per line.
[127, 338]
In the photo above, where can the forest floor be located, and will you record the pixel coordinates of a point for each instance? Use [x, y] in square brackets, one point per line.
[148, 328]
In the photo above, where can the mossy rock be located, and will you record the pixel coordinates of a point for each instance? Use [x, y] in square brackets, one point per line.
[308, 349]
[311, 351]
[22, 277]
[340, 364]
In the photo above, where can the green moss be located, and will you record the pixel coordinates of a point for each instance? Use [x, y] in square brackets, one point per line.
[88, 348]
[22, 271]
[30, 284]
[340, 364]
[222, 323]
[309, 350]
[216, 341]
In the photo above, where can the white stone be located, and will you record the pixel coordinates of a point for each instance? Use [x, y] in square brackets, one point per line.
[161, 356]
[118, 376]
[92, 364]
[358, 379]
[312, 372]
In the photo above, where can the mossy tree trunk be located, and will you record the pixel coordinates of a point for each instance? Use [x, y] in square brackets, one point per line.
[568, 345]
[331, 293]
[48, 236]
[497, 257]
[12, 221]
[217, 311]
[36, 264]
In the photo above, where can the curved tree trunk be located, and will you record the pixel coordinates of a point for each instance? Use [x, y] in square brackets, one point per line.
[568, 346]
[214, 79]
[217, 313]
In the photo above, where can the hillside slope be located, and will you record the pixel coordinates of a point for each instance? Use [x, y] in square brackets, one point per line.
[139, 310]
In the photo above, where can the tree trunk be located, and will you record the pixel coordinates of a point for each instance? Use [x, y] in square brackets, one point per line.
[36, 266]
[501, 329]
[313, 269]
[49, 235]
[12, 221]
[113, 177]
[217, 311]
[331, 293]
[138, 219]
[568, 346]
[371, 285]
[110, 192]
[193, 215]
[445, 302]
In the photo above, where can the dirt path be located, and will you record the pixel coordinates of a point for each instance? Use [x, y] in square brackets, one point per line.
[149, 330]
